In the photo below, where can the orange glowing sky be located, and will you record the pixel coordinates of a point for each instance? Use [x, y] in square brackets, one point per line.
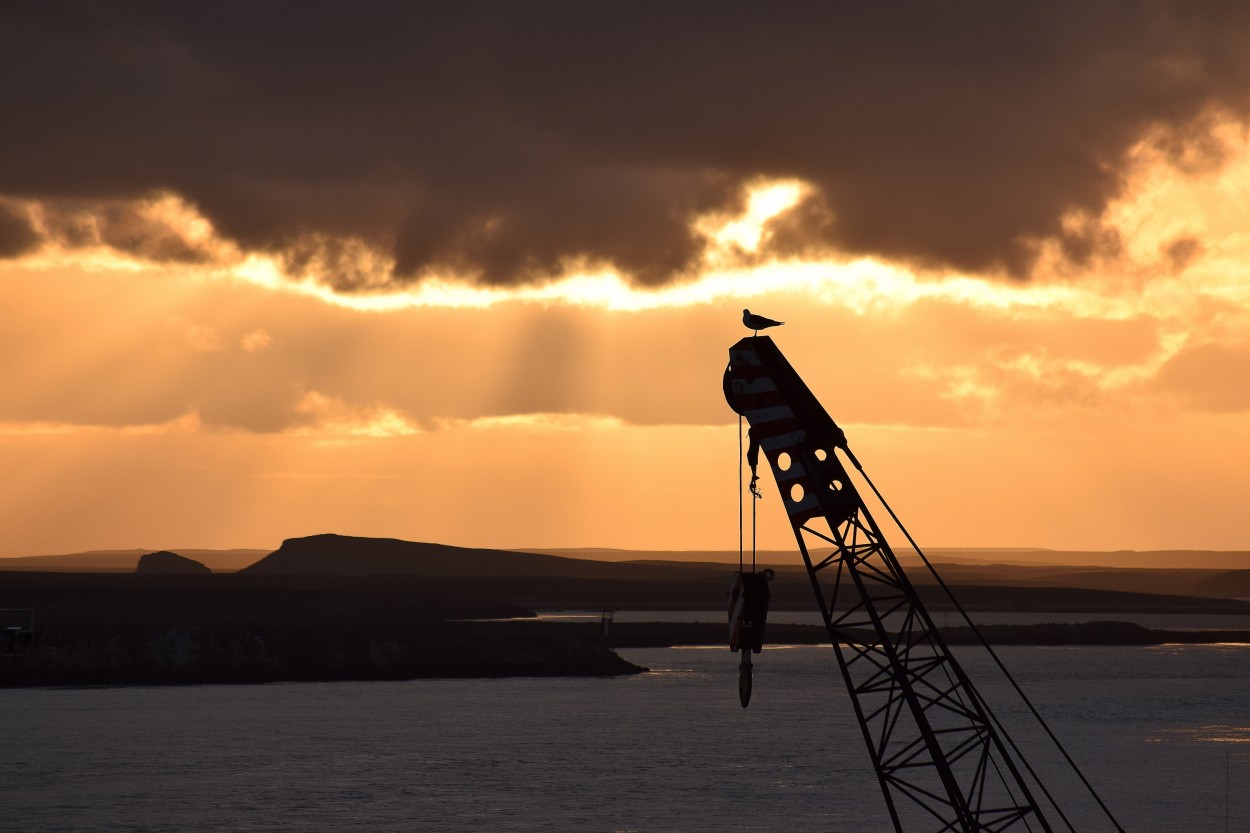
[235, 394]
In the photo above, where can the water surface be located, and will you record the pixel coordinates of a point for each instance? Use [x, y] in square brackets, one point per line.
[1157, 729]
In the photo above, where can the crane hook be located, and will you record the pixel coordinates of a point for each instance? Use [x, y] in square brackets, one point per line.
[744, 679]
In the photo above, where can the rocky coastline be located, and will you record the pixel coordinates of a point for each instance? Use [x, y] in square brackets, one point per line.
[108, 629]
[147, 654]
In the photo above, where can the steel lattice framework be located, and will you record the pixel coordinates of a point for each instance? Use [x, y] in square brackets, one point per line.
[941, 763]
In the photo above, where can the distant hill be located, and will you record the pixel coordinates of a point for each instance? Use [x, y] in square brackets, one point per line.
[170, 563]
[544, 581]
[125, 561]
[1175, 582]
[540, 581]
[1116, 559]
[984, 556]
[321, 555]
[1233, 584]
[1183, 573]
[783, 559]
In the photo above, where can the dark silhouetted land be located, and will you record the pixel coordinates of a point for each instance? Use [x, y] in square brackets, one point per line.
[170, 563]
[125, 561]
[145, 628]
[1171, 572]
[339, 607]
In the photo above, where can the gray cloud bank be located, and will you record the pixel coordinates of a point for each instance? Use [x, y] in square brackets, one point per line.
[499, 139]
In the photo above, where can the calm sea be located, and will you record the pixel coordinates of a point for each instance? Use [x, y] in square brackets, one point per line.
[1164, 733]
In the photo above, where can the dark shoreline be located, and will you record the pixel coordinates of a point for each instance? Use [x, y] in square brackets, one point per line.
[94, 629]
[105, 629]
[196, 654]
[231, 654]
[672, 634]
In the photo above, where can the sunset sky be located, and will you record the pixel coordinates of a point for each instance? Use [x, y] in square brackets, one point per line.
[469, 272]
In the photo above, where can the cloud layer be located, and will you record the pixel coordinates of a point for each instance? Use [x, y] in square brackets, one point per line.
[378, 143]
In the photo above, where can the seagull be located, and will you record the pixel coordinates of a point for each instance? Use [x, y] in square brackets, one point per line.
[758, 322]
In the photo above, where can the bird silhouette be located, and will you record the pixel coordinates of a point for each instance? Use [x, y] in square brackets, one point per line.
[758, 322]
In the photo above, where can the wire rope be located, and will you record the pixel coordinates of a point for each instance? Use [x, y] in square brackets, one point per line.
[993, 654]
[755, 497]
[740, 524]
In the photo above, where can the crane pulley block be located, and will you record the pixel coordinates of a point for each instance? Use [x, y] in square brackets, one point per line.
[748, 610]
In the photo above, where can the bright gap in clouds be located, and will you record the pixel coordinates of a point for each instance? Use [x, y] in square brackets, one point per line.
[1169, 224]
[729, 236]
[862, 284]
[1182, 257]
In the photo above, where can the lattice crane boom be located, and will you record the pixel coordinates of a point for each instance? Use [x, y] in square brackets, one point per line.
[941, 763]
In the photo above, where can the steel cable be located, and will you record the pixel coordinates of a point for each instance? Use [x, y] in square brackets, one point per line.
[994, 655]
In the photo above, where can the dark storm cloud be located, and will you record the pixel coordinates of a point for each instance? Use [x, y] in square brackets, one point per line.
[124, 225]
[503, 137]
[17, 236]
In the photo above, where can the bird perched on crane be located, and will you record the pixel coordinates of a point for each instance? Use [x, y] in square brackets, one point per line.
[758, 322]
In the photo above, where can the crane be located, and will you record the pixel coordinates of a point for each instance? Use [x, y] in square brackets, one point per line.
[942, 760]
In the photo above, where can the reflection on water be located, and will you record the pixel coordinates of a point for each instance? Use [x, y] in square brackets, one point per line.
[1214, 733]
